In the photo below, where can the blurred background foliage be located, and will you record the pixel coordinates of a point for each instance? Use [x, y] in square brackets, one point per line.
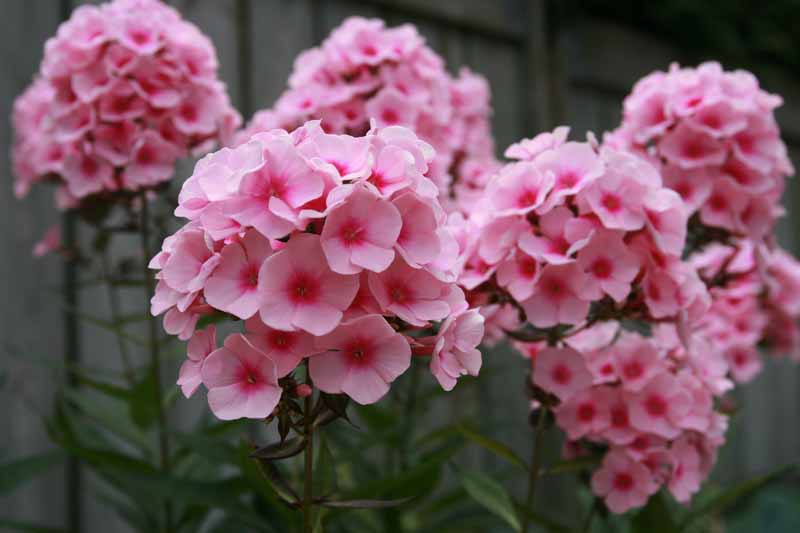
[741, 32]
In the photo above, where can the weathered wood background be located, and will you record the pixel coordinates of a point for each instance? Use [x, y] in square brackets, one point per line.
[543, 72]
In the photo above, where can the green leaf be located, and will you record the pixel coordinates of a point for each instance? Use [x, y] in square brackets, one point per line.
[536, 518]
[281, 450]
[142, 403]
[731, 496]
[655, 517]
[490, 494]
[364, 504]
[27, 527]
[20, 471]
[109, 415]
[492, 445]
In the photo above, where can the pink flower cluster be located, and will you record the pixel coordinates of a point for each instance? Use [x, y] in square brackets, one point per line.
[124, 90]
[714, 137]
[365, 71]
[329, 247]
[755, 304]
[648, 400]
[568, 225]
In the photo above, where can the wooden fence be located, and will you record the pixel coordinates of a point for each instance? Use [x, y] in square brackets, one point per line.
[544, 70]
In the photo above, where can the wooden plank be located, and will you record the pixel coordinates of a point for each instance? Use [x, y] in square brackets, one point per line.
[498, 20]
[275, 43]
[30, 320]
[500, 64]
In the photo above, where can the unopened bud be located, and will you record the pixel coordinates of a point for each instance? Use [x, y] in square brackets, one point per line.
[301, 391]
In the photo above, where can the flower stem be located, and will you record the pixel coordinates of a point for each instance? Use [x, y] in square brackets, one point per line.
[308, 484]
[155, 355]
[536, 458]
[116, 318]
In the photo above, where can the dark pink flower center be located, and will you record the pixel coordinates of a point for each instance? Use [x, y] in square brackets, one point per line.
[303, 288]
[586, 412]
[633, 370]
[601, 268]
[390, 116]
[623, 481]
[619, 416]
[561, 374]
[611, 203]
[352, 232]
[527, 198]
[655, 405]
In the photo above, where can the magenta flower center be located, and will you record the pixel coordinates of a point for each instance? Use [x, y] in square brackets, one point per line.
[561, 374]
[611, 203]
[602, 268]
[303, 288]
[586, 412]
[623, 481]
[656, 405]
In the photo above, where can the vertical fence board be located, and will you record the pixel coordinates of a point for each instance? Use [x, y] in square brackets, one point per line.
[30, 321]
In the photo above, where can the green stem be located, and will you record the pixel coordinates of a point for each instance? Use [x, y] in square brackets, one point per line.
[155, 355]
[308, 484]
[587, 522]
[114, 307]
[536, 458]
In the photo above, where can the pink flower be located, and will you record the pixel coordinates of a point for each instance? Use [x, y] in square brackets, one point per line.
[152, 161]
[360, 233]
[241, 381]
[455, 352]
[690, 148]
[585, 413]
[414, 295]
[561, 371]
[556, 243]
[190, 262]
[390, 107]
[50, 242]
[285, 348]
[556, 299]
[636, 362]
[200, 346]
[299, 291]
[573, 166]
[270, 197]
[617, 197]
[686, 470]
[622, 482]
[233, 287]
[609, 265]
[419, 242]
[125, 89]
[528, 149]
[519, 188]
[744, 362]
[659, 406]
[87, 173]
[519, 275]
[360, 359]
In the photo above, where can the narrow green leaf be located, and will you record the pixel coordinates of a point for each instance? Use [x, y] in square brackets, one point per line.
[142, 403]
[19, 471]
[490, 494]
[281, 450]
[494, 446]
[364, 504]
[727, 498]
